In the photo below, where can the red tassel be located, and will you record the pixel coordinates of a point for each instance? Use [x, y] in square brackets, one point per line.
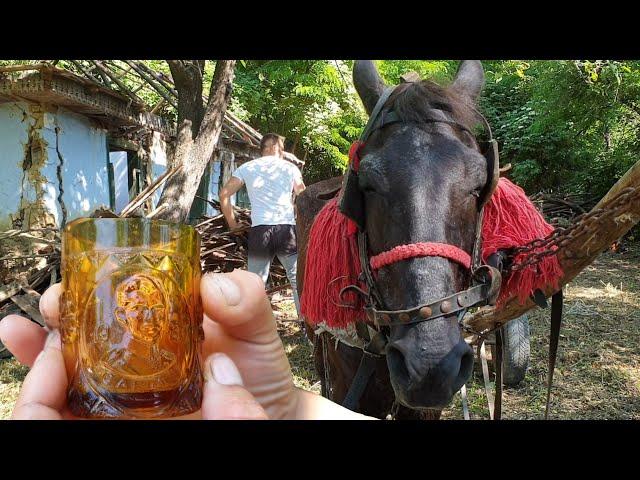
[332, 263]
[511, 220]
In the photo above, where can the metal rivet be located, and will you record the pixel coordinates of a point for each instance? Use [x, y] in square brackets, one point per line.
[404, 317]
[445, 307]
[461, 300]
[425, 312]
[386, 317]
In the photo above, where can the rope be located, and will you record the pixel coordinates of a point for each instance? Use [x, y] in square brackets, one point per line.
[423, 249]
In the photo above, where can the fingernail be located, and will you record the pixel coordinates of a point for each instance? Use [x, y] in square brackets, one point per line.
[223, 370]
[228, 288]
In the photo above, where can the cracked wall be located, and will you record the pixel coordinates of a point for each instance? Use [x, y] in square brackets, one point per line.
[54, 166]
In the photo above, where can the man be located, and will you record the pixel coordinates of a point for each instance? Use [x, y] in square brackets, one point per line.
[271, 182]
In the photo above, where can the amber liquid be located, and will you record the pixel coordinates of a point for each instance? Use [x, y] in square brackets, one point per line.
[131, 320]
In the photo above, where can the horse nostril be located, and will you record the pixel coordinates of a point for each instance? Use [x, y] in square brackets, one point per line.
[397, 361]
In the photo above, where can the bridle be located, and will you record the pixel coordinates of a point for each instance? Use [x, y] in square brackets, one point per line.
[485, 279]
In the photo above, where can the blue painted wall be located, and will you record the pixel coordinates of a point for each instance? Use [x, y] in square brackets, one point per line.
[81, 153]
[14, 132]
[83, 148]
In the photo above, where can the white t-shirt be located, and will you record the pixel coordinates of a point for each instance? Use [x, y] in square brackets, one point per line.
[269, 182]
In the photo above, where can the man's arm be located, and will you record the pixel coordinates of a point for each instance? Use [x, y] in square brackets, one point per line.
[232, 186]
[298, 186]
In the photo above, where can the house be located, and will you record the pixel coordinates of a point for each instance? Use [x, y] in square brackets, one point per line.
[69, 145]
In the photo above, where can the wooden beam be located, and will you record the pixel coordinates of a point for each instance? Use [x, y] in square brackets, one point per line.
[86, 73]
[153, 84]
[165, 83]
[8, 291]
[29, 304]
[20, 68]
[117, 81]
[617, 213]
[147, 192]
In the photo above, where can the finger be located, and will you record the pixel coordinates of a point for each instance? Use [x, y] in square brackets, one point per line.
[238, 302]
[24, 338]
[224, 396]
[50, 305]
[46, 382]
[35, 411]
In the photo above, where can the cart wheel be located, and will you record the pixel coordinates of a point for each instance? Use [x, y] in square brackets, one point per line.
[517, 351]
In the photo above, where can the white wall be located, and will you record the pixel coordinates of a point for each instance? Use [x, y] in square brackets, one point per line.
[158, 156]
[78, 147]
[120, 178]
[14, 134]
[83, 148]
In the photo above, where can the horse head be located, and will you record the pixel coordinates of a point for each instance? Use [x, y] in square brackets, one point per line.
[423, 181]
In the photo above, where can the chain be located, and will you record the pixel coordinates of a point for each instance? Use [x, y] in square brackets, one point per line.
[519, 258]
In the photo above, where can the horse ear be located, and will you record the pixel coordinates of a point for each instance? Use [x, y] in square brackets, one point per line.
[469, 78]
[368, 83]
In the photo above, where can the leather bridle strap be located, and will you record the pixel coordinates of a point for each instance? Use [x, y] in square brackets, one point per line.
[554, 337]
[482, 354]
[372, 351]
[493, 401]
[375, 114]
[440, 308]
[486, 292]
[497, 406]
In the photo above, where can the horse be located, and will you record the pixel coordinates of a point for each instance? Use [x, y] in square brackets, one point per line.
[421, 181]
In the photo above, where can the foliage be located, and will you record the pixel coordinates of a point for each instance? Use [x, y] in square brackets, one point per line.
[566, 125]
[311, 102]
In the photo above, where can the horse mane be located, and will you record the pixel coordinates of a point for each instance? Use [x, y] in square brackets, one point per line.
[414, 101]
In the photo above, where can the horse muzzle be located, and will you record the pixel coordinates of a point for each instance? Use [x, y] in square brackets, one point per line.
[422, 380]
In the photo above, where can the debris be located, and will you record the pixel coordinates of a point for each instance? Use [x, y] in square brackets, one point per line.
[27, 269]
[223, 250]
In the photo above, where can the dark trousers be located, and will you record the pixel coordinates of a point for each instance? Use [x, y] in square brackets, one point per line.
[268, 241]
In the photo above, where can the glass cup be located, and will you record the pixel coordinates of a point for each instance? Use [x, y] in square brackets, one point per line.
[131, 318]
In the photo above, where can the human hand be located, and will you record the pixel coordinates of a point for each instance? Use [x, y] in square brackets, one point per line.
[238, 325]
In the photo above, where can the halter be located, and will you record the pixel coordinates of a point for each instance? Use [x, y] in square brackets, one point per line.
[485, 279]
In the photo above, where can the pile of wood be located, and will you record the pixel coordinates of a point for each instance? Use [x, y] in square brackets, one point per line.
[29, 263]
[559, 209]
[223, 250]
[30, 260]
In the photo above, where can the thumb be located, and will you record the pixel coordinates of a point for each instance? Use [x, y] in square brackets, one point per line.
[225, 397]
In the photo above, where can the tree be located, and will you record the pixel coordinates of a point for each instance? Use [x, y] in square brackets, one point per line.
[311, 102]
[198, 131]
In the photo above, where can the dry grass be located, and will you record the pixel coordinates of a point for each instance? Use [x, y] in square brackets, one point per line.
[11, 376]
[598, 370]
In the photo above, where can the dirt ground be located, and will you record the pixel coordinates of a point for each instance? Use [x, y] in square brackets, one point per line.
[598, 369]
